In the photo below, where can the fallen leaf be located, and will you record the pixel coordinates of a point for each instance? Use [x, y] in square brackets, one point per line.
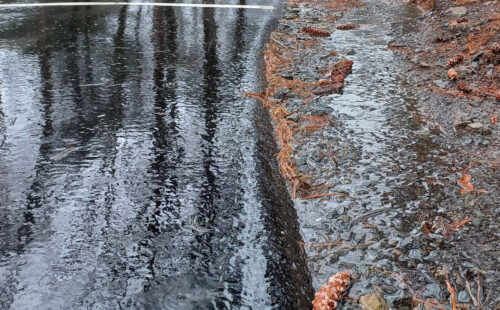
[494, 119]
[466, 184]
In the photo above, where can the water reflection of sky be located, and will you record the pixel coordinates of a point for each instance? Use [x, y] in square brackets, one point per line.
[148, 100]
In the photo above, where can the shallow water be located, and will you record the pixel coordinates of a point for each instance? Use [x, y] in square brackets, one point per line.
[379, 153]
[132, 172]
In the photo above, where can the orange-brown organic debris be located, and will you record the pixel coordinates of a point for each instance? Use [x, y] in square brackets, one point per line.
[464, 87]
[328, 297]
[452, 74]
[455, 60]
[347, 26]
[316, 32]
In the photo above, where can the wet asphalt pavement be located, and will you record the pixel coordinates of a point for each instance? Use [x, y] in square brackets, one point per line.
[133, 174]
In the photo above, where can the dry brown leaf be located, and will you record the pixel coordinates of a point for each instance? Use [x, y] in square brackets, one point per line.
[457, 225]
[467, 186]
[465, 183]
[494, 119]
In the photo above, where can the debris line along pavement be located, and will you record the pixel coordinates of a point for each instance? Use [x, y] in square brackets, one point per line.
[370, 168]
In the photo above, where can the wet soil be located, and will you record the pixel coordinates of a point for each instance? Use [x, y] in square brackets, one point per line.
[385, 149]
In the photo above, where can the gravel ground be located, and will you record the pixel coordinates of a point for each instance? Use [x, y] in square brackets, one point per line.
[412, 161]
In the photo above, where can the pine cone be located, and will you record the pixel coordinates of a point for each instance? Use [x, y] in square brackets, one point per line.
[453, 61]
[347, 26]
[328, 297]
[442, 39]
[496, 48]
[343, 67]
[464, 87]
[338, 78]
[452, 74]
[316, 32]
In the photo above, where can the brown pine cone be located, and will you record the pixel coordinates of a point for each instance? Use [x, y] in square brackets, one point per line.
[454, 60]
[496, 48]
[316, 32]
[338, 78]
[343, 67]
[347, 26]
[452, 74]
[463, 87]
[328, 297]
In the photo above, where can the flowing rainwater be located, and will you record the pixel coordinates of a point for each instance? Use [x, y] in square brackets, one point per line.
[133, 174]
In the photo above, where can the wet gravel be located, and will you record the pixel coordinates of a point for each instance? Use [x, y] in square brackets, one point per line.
[398, 164]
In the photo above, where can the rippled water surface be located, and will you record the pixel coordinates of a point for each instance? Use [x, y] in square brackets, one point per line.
[132, 172]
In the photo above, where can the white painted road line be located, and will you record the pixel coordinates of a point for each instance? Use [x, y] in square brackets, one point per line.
[185, 5]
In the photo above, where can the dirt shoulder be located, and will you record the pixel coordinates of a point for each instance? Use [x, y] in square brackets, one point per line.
[391, 157]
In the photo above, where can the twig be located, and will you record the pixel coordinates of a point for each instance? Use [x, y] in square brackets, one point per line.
[325, 195]
[62, 154]
[321, 245]
[474, 300]
[358, 245]
[452, 293]
[415, 296]
[279, 43]
[368, 214]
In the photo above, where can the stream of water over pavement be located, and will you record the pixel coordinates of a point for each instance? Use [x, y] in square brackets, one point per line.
[379, 153]
[133, 174]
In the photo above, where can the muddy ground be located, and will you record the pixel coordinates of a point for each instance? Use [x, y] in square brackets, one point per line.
[395, 170]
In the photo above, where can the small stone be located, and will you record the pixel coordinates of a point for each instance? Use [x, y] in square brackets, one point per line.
[433, 290]
[415, 254]
[345, 218]
[351, 52]
[457, 11]
[293, 117]
[373, 302]
[439, 83]
[463, 297]
[475, 125]
[478, 56]
[405, 242]
[424, 64]
[320, 110]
